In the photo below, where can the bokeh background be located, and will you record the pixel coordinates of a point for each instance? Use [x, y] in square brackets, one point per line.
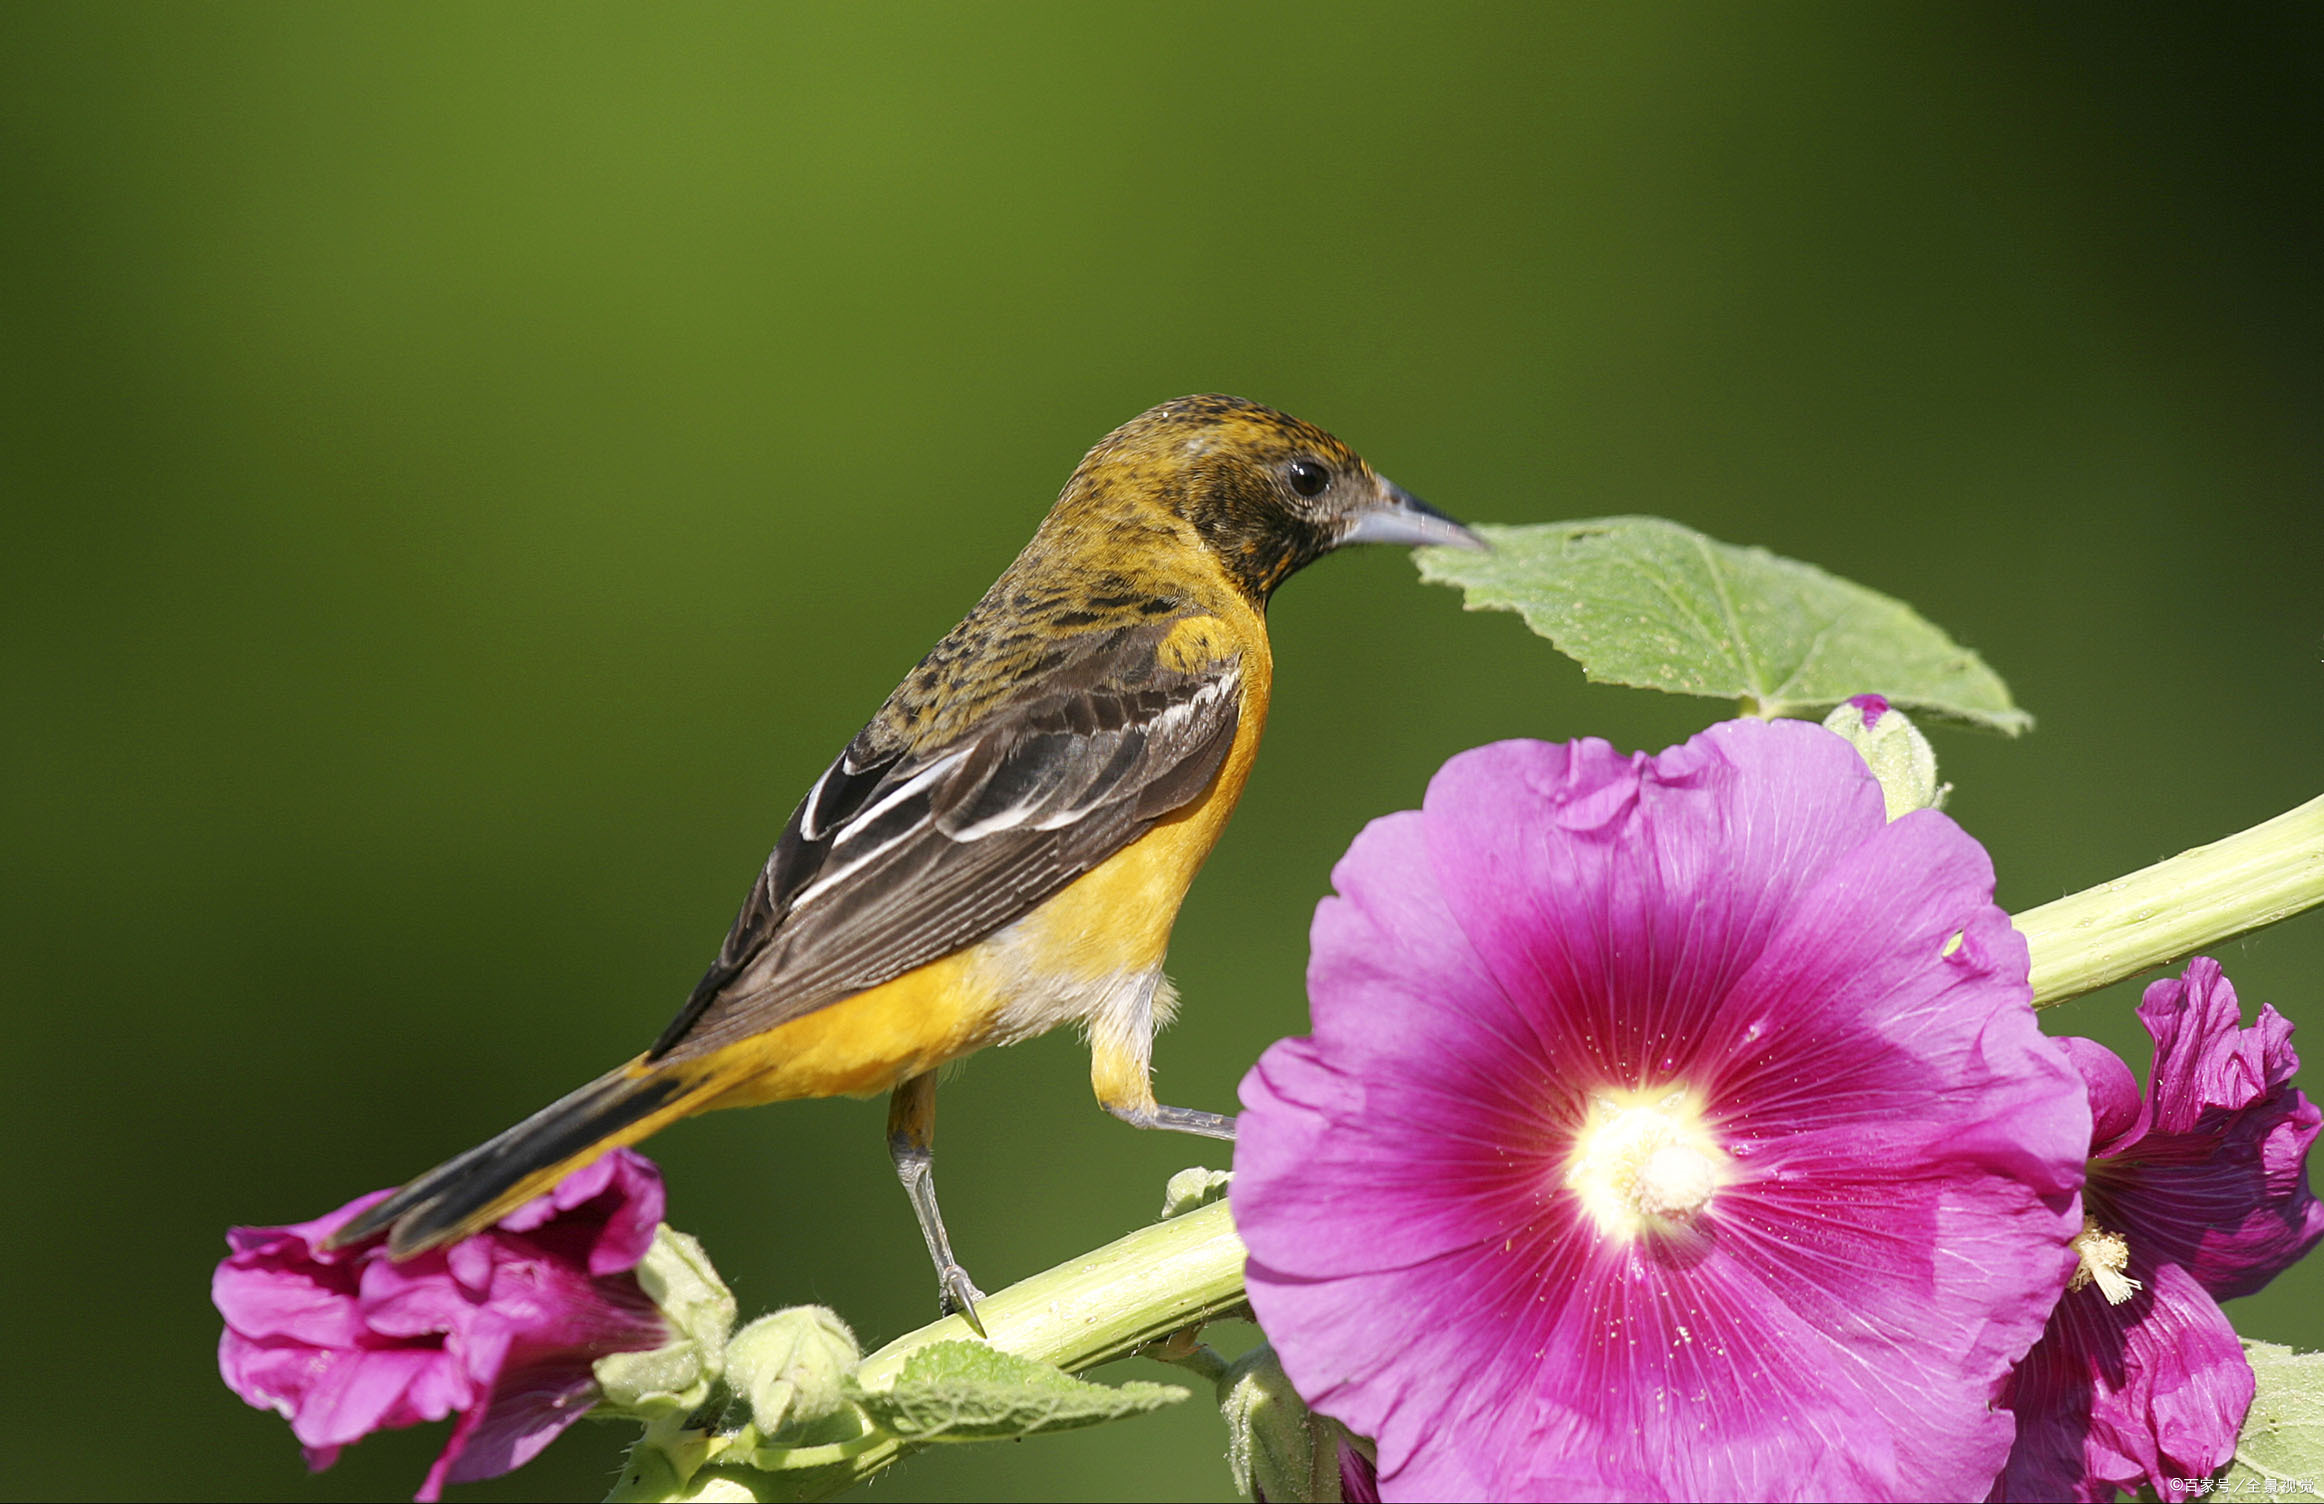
[467, 469]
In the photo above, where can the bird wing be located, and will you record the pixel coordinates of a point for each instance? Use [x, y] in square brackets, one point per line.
[901, 855]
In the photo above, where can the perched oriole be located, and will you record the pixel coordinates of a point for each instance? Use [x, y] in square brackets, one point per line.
[1004, 847]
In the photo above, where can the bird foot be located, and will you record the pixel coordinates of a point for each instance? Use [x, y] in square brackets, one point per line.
[957, 1295]
[1177, 1120]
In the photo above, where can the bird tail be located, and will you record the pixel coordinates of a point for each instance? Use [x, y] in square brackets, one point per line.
[473, 1190]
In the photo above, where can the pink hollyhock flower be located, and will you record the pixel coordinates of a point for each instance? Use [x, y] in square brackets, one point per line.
[2198, 1191]
[499, 1329]
[1672, 1127]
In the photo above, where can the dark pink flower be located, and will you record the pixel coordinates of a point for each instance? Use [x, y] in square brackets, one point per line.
[1359, 1478]
[499, 1329]
[2198, 1191]
[1672, 1127]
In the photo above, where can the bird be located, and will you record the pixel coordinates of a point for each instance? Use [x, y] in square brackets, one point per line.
[1004, 846]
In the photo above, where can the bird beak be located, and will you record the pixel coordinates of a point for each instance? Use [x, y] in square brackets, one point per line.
[1403, 518]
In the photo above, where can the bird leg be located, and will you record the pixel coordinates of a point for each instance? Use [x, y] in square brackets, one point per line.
[912, 1145]
[1121, 1054]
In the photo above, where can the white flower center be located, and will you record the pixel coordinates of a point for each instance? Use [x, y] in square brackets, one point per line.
[2104, 1256]
[1643, 1159]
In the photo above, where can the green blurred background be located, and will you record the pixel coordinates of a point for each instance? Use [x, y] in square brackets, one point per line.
[467, 469]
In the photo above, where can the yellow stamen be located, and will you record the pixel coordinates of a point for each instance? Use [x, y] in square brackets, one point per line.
[1644, 1160]
[2104, 1256]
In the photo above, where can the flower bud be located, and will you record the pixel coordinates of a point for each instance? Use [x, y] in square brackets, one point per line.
[1893, 747]
[1191, 1190]
[1278, 1449]
[792, 1368]
[676, 1377]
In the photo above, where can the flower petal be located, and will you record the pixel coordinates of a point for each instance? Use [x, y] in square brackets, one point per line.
[2117, 1107]
[417, 1297]
[1561, 864]
[1415, 1043]
[276, 1289]
[359, 1392]
[2217, 1181]
[610, 1239]
[530, 1407]
[2118, 1396]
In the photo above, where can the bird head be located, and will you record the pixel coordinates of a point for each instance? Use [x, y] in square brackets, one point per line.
[1263, 492]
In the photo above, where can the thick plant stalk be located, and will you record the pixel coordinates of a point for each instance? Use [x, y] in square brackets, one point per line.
[1104, 1305]
[2196, 899]
[1101, 1306]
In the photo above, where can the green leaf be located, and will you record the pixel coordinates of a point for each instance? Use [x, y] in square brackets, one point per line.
[1644, 601]
[2281, 1452]
[967, 1391]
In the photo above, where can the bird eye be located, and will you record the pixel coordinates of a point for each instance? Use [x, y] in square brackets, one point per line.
[1309, 478]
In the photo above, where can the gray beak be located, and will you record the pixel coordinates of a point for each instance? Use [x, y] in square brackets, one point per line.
[1403, 518]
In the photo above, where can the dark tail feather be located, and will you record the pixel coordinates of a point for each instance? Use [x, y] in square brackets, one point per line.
[479, 1187]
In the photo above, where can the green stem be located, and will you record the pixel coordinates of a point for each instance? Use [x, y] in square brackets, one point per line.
[1087, 1311]
[2196, 899]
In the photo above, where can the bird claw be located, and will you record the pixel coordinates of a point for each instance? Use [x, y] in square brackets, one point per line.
[957, 1295]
